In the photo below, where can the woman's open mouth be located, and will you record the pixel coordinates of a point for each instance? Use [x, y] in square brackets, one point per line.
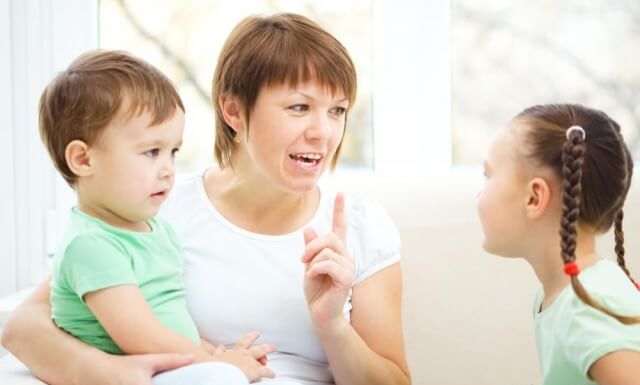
[307, 159]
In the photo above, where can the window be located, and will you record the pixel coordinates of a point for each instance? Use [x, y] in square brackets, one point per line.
[40, 40]
[508, 55]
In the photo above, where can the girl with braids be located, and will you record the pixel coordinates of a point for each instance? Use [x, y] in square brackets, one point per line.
[557, 177]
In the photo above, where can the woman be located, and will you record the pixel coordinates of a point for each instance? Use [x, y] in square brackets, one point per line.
[265, 248]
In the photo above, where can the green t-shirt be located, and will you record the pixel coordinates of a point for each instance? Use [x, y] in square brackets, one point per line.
[95, 255]
[572, 336]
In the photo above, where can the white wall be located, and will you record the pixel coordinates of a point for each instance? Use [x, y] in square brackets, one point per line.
[467, 314]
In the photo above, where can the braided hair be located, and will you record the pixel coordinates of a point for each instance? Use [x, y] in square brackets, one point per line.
[584, 147]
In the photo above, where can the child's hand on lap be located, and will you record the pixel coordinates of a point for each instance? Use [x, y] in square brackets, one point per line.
[249, 358]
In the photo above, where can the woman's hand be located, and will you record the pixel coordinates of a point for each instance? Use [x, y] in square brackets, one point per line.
[329, 271]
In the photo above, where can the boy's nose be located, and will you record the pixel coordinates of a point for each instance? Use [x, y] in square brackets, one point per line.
[167, 170]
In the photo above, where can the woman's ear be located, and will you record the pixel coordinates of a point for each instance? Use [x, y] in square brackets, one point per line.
[538, 197]
[232, 113]
[78, 158]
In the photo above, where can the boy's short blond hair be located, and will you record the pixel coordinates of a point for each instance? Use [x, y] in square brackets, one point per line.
[80, 102]
[283, 48]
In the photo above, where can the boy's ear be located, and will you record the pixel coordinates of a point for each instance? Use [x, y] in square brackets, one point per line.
[232, 113]
[538, 197]
[78, 158]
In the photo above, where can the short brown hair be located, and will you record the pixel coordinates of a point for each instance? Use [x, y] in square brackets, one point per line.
[283, 48]
[82, 100]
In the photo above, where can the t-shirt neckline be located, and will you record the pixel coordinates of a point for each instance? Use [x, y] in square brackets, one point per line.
[204, 198]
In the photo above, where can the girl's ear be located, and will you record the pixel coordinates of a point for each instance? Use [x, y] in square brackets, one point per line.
[538, 197]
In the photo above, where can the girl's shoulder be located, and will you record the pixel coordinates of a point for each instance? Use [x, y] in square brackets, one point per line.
[608, 284]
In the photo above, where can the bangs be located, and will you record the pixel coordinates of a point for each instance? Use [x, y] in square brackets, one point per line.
[294, 65]
[272, 52]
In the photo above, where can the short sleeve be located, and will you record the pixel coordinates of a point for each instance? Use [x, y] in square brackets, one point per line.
[95, 261]
[375, 238]
[170, 233]
[591, 334]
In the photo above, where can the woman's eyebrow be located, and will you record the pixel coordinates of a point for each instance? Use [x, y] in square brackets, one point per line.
[345, 99]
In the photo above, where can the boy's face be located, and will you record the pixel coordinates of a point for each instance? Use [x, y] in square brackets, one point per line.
[133, 165]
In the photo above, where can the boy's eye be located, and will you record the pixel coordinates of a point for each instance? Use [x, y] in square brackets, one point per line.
[299, 107]
[174, 151]
[152, 153]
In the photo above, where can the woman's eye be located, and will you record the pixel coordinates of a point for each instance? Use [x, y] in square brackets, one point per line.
[152, 153]
[339, 111]
[299, 108]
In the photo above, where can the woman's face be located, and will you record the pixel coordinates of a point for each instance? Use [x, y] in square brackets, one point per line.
[293, 135]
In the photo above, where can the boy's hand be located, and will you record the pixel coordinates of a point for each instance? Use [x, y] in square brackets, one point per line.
[251, 359]
[207, 346]
[246, 360]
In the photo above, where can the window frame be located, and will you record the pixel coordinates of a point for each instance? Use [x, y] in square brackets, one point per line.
[41, 37]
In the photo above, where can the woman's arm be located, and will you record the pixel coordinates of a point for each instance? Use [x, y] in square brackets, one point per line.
[57, 358]
[370, 350]
[617, 368]
[29, 334]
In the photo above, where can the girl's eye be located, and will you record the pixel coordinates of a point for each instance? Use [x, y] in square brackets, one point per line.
[299, 107]
[174, 151]
[152, 153]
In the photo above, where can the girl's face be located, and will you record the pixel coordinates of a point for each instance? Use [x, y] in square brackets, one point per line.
[503, 200]
[293, 135]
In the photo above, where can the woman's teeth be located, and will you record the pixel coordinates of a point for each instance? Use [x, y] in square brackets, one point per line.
[307, 157]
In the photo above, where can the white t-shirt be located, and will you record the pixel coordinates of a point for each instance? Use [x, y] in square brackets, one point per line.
[238, 281]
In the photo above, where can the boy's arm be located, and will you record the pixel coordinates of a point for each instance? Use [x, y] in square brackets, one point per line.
[126, 316]
[618, 368]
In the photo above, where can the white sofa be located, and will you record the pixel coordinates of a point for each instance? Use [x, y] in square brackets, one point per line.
[467, 314]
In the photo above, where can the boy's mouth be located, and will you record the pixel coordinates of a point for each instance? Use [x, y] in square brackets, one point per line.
[159, 194]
